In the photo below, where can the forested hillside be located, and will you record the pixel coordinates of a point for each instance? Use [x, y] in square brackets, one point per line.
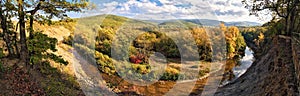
[151, 38]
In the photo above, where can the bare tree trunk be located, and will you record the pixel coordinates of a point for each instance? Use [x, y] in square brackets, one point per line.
[24, 50]
[5, 31]
[31, 26]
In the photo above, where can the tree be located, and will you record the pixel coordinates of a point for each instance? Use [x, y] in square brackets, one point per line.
[285, 10]
[24, 55]
[48, 9]
[9, 35]
[52, 9]
[235, 42]
[41, 11]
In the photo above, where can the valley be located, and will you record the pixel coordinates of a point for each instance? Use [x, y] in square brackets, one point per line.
[149, 48]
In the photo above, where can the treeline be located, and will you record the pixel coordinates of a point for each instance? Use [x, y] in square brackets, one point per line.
[153, 40]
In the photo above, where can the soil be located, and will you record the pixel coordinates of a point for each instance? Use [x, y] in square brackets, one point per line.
[17, 81]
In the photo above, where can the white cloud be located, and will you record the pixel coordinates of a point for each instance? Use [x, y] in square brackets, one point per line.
[230, 10]
[111, 4]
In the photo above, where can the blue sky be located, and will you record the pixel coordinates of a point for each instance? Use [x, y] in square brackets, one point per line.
[224, 10]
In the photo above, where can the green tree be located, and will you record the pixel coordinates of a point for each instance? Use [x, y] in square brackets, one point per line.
[48, 10]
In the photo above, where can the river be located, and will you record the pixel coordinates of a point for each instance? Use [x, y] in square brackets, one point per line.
[245, 62]
[237, 70]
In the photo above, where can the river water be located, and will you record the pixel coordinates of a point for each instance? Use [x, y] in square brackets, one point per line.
[245, 62]
[235, 69]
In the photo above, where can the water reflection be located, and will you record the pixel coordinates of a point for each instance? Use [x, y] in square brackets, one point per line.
[245, 62]
[236, 67]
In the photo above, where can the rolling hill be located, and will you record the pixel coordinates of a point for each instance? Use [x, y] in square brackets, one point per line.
[114, 21]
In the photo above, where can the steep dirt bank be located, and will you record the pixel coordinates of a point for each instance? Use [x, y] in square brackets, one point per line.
[272, 74]
[59, 32]
[15, 81]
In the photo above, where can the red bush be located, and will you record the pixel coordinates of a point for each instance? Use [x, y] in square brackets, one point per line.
[136, 59]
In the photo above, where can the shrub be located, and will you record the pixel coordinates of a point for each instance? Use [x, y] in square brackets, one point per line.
[172, 74]
[134, 59]
[138, 58]
[172, 71]
[105, 63]
[173, 77]
[68, 40]
[204, 72]
[39, 48]
[142, 69]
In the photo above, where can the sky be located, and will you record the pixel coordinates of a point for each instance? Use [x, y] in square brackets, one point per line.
[223, 10]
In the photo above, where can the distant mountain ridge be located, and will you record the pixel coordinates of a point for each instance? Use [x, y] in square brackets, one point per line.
[187, 22]
[208, 22]
[243, 23]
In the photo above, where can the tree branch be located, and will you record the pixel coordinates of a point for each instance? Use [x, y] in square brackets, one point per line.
[38, 7]
[277, 11]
